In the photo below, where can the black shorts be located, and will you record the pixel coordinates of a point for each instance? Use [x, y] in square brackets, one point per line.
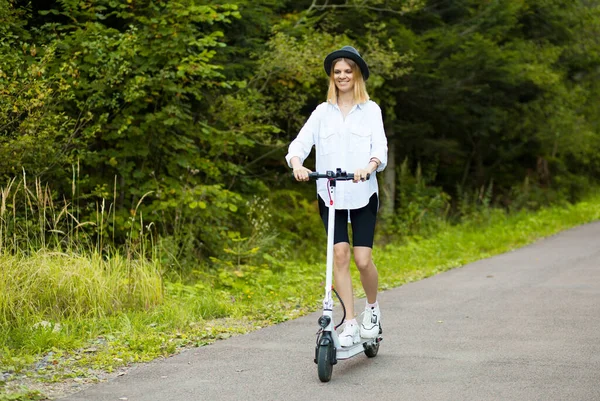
[362, 221]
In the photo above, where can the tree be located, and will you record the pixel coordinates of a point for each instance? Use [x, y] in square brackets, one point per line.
[482, 75]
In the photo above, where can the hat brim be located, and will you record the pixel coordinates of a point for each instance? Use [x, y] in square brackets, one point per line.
[364, 69]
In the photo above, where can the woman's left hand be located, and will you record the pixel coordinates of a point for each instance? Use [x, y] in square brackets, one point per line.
[360, 175]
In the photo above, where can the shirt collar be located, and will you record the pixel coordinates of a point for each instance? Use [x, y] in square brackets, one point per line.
[358, 105]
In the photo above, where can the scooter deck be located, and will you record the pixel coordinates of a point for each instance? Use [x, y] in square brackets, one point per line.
[348, 352]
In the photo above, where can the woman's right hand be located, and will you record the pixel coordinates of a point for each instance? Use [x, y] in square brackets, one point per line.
[301, 173]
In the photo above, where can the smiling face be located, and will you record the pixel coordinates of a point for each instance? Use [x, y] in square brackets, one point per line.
[343, 76]
[346, 80]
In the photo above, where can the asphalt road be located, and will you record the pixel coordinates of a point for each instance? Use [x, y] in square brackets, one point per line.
[520, 326]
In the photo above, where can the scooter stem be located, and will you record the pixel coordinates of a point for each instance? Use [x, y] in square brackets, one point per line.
[328, 300]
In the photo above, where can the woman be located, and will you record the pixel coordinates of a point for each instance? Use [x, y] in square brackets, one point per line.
[347, 132]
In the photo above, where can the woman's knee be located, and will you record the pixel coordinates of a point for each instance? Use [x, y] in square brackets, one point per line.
[363, 259]
[341, 255]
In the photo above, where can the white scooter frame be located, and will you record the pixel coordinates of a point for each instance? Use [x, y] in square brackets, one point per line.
[328, 349]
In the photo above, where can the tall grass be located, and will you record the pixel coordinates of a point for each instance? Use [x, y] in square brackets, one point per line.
[55, 285]
[54, 267]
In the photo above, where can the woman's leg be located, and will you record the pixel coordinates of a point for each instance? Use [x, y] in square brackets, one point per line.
[342, 277]
[370, 325]
[363, 232]
[368, 272]
[341, 257]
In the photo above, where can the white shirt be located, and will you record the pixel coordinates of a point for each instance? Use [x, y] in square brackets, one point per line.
[347, 143]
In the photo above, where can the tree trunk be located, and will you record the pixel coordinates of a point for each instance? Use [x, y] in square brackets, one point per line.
[389, 176]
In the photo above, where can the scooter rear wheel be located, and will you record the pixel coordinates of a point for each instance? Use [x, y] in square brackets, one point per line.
[324, 362]
[371, 350]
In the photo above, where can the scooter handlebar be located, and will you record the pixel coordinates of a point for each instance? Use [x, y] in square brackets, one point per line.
[333, 175]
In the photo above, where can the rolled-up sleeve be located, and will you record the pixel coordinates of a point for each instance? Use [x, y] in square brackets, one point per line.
[302, 145]
[379, 148]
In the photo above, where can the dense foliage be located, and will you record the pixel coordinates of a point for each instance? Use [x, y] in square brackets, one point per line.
[175, 115]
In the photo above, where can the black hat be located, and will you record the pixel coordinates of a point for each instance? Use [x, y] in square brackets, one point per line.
[347, 52]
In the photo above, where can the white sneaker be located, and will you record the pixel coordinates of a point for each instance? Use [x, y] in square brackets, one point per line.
[371, 323]
[350, 335]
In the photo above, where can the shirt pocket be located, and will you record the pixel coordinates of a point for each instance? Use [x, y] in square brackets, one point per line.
[360, 140]
[328, 142]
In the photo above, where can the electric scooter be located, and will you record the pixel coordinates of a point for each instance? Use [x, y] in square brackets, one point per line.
[328, 349]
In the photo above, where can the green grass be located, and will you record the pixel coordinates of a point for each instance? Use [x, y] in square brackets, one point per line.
[23, 395]
[490, 234]
[104, 313]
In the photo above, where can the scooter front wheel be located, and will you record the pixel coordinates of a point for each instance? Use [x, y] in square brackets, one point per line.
[324, 362]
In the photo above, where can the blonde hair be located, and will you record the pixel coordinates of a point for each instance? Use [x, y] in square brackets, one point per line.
[360, 88]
